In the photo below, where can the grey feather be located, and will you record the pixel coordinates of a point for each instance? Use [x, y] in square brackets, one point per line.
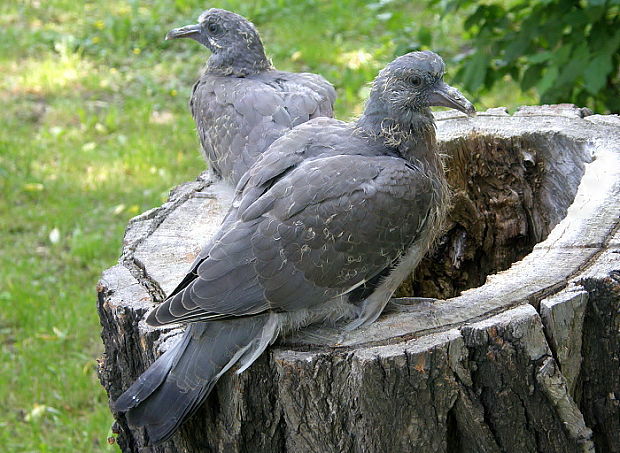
[173, 388]
[241, 104]
[325, 225]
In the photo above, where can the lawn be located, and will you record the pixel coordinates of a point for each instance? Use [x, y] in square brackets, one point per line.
[94, 129]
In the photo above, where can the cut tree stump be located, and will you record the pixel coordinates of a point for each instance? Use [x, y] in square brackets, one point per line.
[520, 354]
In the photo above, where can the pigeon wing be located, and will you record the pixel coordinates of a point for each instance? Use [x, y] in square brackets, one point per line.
[320, 231]
[239, 117]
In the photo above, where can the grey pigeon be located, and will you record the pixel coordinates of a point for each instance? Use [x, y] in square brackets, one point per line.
[325, 226]
[241, 104]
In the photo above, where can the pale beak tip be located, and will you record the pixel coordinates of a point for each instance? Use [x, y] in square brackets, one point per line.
[467, 107]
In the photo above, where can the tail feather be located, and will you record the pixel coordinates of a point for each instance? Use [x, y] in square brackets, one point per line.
[152, 378]
[173, 388]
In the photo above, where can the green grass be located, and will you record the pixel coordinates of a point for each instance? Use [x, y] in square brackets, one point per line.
[94, 128]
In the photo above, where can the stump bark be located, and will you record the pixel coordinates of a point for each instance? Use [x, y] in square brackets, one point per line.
[521, 354]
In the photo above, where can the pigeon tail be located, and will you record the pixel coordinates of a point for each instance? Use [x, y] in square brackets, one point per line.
[173, 387]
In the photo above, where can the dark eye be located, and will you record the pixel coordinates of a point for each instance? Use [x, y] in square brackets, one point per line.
[213, 27]
[416, 81]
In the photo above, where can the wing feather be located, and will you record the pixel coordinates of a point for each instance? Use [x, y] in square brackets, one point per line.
[353, 217]
[238, 118]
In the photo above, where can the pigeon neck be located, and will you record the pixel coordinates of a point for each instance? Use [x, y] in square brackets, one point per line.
[411, 133]
[239, 65]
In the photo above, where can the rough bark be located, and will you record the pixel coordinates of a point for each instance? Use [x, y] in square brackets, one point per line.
[526, 361]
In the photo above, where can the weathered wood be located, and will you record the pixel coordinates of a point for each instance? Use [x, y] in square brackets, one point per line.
[598, 392]
[528, 360]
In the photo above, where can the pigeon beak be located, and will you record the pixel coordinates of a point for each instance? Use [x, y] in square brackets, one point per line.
[189, 31]
[444, 95]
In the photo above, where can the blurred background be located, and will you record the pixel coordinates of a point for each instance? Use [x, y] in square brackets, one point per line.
[94, 129]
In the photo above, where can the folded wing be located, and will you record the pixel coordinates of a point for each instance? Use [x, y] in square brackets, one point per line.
[318, 231]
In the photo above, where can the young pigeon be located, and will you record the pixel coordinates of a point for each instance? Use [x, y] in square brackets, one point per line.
[241, 104]
[325, 226]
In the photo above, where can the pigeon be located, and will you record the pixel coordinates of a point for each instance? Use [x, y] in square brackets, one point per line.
[323, 229]
[241, 104]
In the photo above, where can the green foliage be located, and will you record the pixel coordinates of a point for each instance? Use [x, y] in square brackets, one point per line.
[568, 50]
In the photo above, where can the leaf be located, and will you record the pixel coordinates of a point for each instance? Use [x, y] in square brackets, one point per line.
[596, 76]
[594, 12]
[576, 18]
[562, 55]
[475, 18]
[575, 66]
[475, 71]
[531, 76]
[453, 5]
[567, 50]
[599, 36]
[425, 36]
[516, 48]
[548, 79]
[539, 57]
[495, 11]
[612, 44]
[551, 33]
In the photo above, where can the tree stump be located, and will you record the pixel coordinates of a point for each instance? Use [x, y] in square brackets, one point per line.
[520, 354]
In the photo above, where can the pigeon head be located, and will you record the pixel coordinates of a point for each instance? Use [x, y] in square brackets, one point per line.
[411, 84]
[233, 40]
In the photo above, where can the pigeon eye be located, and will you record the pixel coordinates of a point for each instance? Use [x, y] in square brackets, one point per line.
[416, 81]
[213, 27]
